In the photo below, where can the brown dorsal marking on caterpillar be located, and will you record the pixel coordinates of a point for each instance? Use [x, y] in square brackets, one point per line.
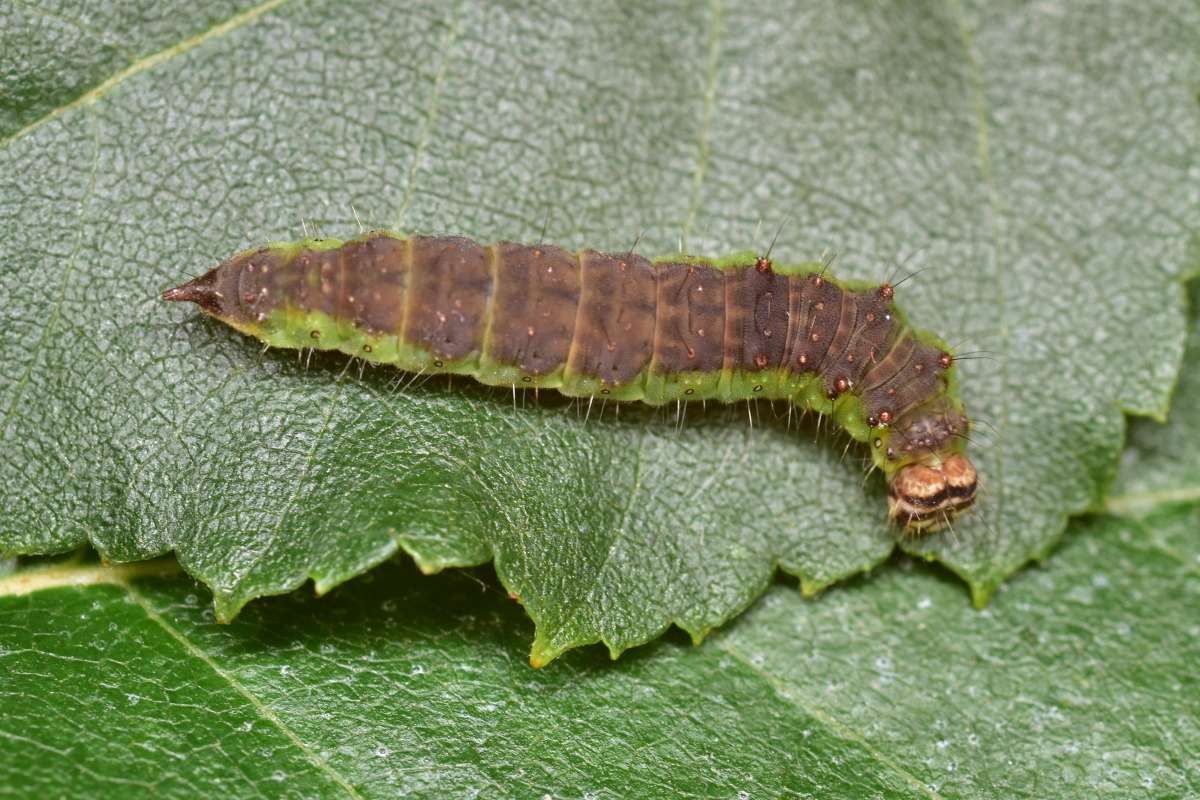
[360, 276]
[383, 268]
[689, 331]
[306, 281]
[865, 345]
[737, 318]
[756, 308]
[820, 304]
[614, 332]
[797, 323]
[301, 289]
[255, 284]
[536, 303]
[449, 292]
[915, 381]
[329, 268]
[836, 373]
[879, 382]
[344, 299]
[357, 281]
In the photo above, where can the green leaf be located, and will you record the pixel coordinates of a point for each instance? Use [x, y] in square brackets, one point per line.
[1159, 481]
[59, 54]
[1079, 680]
[1160, 467]
[394, 686]
[1036, 159]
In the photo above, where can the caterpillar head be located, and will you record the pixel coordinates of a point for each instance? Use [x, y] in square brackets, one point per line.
[925, 495]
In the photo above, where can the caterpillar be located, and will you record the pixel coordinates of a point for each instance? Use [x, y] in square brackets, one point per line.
[625, 328]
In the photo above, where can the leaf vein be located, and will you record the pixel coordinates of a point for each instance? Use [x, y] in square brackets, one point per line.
[703, 147]
[103, 37]
[431, 110]
[292, 498]
[542, 655]
[265, 711]
[143, 64]
[832, 723]
[52, 318]
[1125, 504]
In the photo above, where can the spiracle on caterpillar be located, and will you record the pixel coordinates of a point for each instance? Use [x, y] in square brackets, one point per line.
[620, 326]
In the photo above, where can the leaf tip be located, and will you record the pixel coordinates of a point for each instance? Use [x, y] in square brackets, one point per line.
[542, 653]
[226, 607]
[810, 588]
[981, 594]
[428, 568]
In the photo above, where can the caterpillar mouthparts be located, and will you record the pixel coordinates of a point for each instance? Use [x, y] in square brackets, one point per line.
[679, 328]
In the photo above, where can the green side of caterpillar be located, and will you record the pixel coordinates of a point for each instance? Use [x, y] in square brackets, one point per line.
[619, 326]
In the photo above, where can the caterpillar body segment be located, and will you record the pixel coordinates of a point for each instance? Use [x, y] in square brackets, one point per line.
[625, 328]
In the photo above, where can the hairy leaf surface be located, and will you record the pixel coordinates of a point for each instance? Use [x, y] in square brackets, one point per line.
[1039, 162]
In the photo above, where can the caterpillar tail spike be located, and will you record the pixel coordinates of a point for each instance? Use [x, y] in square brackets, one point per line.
[622, 327]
